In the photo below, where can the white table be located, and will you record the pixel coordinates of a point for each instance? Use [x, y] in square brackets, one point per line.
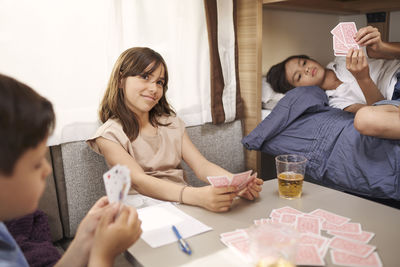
[384, 221]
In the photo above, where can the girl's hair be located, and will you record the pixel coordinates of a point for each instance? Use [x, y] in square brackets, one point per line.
[26, 119]
[276, 75]
[133, 62]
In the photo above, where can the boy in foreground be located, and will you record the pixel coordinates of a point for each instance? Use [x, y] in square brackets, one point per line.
[26, 120]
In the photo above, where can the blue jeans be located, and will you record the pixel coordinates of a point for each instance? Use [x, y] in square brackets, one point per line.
[387, 102]
[396, 91]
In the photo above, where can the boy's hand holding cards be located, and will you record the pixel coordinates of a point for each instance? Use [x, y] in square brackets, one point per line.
[343, 38]
[117, 182]
[240, 180]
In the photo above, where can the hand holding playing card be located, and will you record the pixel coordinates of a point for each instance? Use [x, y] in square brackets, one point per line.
[217, 199]
[253, 188]
[117, 182]
[357, 64]
[369, 36]
[343, 38]
[240, 180]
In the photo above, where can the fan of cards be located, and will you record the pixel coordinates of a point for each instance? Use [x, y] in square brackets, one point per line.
[347, 241]
[117, 181]
[240, 180]
[343, 38]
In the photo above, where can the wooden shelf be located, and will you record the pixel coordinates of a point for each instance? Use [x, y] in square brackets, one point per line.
[343, 7]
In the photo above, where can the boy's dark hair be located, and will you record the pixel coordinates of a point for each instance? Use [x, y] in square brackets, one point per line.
[26, 119]
[276, 75]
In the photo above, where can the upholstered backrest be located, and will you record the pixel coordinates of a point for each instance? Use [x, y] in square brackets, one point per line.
[78, 170]
[49, 204]
[220, 144]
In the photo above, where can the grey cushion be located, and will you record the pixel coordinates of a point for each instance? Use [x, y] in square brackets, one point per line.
[83, 174]
[49, 205]
[78, 170]
[220, 144]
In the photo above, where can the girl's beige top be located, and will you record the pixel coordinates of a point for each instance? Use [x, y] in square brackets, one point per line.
[159, 155]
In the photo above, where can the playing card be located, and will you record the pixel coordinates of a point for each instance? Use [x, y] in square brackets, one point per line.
[248, 180]
[242, 248]
[349, 30]
[351, 247]
[337, 32]
[275, 214]
[117, 182]
[288, 218]
[310, 239]
[338, 46]
[354, 228]
[239, 232]
[308, 255]
[345, 259]
[343, 38]
[364, 237]
[308, 225]
[330, 216]
[219, 181]
[288, 209]
[240, 179]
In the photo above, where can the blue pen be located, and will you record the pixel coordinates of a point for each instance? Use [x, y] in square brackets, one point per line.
[182, 243]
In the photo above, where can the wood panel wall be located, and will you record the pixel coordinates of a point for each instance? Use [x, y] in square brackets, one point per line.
[249, 35]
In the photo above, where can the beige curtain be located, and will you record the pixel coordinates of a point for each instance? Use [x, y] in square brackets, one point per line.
[217, 79]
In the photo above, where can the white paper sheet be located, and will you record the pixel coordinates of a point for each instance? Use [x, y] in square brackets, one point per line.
[157, 221]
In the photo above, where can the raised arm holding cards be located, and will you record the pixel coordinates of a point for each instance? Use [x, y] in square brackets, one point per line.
[142, 132]
[353, 82]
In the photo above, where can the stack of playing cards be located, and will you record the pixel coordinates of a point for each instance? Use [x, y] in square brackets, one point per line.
[117, 182]
[240, 180]
[347, 241]
[343, 38]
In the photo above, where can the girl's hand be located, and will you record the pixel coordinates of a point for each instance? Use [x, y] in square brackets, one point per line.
[253, 189]
[356, 63]
[369, 36]
[114, 234]
[217, 199]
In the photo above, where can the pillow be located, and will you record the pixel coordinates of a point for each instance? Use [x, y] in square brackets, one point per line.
[269, 97]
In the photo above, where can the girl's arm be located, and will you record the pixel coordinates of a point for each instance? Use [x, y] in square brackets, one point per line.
[215, 199]
[203, 168]
[371, 38]
[356, 63]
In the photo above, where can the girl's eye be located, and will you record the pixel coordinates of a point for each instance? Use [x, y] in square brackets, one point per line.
[304, 63]
[160, 83]
[144, 76]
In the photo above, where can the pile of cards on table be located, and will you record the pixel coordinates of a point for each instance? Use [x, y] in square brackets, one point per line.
[343, 38]
[117, 181]
[347, 242]
[240, 180]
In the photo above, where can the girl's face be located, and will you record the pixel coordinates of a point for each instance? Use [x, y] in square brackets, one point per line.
[143, 92]
[304, 72]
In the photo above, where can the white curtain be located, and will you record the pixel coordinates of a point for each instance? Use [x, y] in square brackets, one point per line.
[65, 49]
[177, 30]
[226, 51]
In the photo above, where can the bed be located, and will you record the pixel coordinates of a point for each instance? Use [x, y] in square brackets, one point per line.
[338, 156]
[251, 52]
